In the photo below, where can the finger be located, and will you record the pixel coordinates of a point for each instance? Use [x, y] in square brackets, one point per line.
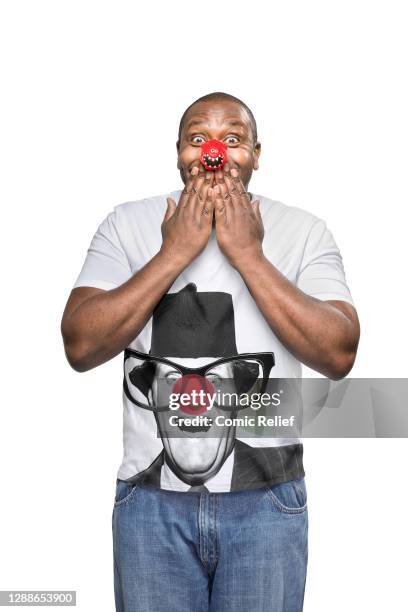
[186, 193]
[241, 192]
[228, 179]
[220, 206]
[196, 196]
[201, 170]
[194, 172]
[255, 205]
[198, 193]
[232, 190]
[204, 183]
[209, 177]
[171, 207]
[219, 175]
[208, 181]
[232, 172]
[208, 208]
[220, 181]
[205, 205]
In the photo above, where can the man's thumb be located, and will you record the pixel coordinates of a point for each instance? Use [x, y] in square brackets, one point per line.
[171, 207]
[256, 208]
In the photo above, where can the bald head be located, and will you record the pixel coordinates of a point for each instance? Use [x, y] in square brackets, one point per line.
[219, 96]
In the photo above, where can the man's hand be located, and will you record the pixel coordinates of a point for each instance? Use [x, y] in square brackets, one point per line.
[186, 227]
[238, 222]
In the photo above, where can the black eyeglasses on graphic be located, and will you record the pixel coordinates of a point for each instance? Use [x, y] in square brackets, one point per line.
[149, 381]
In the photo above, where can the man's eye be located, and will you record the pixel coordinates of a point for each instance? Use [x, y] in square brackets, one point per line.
[197, 139]
[213, 378]
[232, 139]
[172, 377]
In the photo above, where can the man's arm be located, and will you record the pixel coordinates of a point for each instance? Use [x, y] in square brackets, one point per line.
[97, 325]
[323, 335]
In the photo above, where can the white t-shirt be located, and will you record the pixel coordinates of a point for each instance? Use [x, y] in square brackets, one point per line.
[300, 246]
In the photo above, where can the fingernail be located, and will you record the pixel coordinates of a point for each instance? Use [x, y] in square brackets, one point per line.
[226, 167]
[194, 171]
[217, 189]
[234, 172]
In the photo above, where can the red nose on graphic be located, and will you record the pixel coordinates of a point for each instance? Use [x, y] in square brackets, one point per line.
[196, 403]
[213, 154]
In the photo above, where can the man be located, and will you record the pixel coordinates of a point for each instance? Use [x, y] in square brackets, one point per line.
[220, 549]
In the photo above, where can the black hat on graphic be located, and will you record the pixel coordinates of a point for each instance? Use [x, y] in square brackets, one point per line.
[191, 324]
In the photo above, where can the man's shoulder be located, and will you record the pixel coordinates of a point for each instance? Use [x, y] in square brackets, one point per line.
[152, 204]
[282, 217]
[141, 217]
[279, 209]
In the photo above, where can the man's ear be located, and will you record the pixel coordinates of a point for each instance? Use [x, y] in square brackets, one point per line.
[178, 151]
[257, 152]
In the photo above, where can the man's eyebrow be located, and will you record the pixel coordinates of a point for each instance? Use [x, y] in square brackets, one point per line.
[195, 122]
[236, 122]
[232, 123]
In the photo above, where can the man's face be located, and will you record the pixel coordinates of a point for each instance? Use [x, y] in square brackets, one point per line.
[222, 120]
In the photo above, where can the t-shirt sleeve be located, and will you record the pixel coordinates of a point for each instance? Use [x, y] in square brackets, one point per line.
[321, 273]
[106, 265]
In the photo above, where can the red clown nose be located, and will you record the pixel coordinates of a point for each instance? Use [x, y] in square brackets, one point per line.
[191, 385]
[213, 154]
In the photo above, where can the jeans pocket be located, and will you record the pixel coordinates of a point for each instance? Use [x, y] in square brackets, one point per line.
[124, 492]
[289, 497]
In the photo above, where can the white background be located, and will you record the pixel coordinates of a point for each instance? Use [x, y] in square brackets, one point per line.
[92, 96]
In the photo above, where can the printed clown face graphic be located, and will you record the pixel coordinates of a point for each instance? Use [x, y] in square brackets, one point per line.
[196, 440]
[194, 452]
[193, 350]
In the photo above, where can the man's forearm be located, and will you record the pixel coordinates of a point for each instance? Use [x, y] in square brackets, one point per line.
[323, 335]
[102, 325]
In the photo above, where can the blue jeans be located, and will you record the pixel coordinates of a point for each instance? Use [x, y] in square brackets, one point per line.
[243, 551]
